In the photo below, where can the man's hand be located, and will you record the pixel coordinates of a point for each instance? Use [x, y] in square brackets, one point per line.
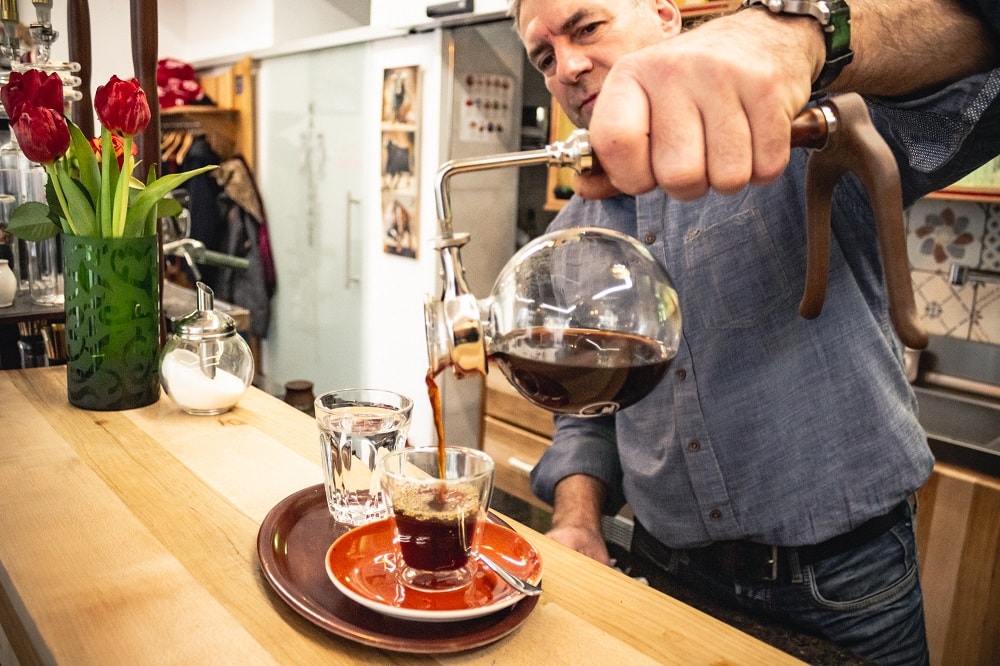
[710, 108]
[583, 540]
[576, 517]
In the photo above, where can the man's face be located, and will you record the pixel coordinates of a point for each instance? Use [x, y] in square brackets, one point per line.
[574, 43]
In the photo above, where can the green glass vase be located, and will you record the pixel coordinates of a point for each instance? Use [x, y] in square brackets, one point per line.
[112, 289]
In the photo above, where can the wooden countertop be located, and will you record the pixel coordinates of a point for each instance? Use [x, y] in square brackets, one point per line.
[130, 537]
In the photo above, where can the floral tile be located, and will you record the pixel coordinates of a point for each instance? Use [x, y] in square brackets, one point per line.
[986, 315]
[944, 309]
[941, 231]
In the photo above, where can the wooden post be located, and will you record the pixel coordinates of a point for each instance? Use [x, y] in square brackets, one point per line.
[78, 18]
[145, 46]
[145, 49]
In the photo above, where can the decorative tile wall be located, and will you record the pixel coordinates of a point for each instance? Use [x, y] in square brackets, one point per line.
[942, 232]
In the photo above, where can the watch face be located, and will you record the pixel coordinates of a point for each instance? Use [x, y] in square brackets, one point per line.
[839, 28]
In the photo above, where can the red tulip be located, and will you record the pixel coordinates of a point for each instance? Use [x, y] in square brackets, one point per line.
[41, 133]
[122, 107]
[40, 89]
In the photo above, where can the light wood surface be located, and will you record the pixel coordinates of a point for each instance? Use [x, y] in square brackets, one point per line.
[958, 539]
[130, 538]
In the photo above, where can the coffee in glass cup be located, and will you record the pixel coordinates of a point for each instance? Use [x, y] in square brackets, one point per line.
[437, 521]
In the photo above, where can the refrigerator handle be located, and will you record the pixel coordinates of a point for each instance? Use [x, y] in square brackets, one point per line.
[350, 276]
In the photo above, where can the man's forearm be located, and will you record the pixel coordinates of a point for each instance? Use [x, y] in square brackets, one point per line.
[904, 46]
[900, 46]
[578, 502]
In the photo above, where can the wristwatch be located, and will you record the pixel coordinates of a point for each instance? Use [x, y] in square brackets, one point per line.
[835, 17]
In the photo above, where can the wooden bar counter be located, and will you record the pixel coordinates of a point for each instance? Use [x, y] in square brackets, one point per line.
[130, 538]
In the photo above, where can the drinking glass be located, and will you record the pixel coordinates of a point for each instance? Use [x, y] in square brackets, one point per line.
[358, 427]
[45, 278]
[438, 509]
[10, 199]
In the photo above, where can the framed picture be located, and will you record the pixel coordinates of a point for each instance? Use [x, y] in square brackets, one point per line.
[400, 124]
[399, 233]
[398, 149]
[400, 92]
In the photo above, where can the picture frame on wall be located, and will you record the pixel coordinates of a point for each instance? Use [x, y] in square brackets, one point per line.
[400, 132]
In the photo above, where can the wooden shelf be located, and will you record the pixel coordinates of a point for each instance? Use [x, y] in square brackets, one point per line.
[983, 184]
[229, 124]
[221, 127]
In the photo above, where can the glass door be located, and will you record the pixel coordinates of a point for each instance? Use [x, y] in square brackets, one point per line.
[312, 177]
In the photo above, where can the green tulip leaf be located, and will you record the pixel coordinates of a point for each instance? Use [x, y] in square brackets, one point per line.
[168, 207]
[79, 207]
[145, 200]
[30, 221]
[86, 162]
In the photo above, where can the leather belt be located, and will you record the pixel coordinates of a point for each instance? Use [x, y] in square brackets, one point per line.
[746, 560]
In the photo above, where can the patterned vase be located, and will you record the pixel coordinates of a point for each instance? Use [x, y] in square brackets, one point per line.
[112, 292]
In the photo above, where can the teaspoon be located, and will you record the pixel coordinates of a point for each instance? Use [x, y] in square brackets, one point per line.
[518, 584]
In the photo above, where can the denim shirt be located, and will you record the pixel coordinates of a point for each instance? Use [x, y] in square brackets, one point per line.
[768, 427]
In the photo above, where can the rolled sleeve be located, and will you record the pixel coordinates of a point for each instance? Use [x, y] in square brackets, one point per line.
[581, 446]
[942, 136]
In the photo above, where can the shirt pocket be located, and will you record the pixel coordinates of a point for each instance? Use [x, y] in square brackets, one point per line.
[734, 273]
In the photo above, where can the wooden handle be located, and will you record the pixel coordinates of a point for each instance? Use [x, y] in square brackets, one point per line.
[857, 147]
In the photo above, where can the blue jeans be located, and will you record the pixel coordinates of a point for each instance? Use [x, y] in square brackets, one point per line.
[867, 600]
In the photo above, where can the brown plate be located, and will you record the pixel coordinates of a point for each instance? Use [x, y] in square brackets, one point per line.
[292, 545]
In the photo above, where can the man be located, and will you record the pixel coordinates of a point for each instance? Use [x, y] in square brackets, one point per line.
[773, 465]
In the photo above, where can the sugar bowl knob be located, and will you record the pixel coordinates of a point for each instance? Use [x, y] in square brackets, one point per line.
[206, 366]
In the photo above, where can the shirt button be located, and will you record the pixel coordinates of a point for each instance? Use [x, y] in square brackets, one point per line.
[681, 374]
[694, 446]
[649, 238]
[715, 514]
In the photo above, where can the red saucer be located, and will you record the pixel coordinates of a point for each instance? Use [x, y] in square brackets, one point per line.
[362, 564]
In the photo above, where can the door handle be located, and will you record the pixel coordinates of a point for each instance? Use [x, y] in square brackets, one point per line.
[350, 277]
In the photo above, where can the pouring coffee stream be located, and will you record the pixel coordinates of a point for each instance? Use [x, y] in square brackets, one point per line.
[460, 328]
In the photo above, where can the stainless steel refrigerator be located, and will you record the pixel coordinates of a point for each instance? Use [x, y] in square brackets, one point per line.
[482, 108]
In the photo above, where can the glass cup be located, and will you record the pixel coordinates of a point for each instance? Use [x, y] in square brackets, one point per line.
[438, 521]
[357, 428]
[45, 277]
[10, 199]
